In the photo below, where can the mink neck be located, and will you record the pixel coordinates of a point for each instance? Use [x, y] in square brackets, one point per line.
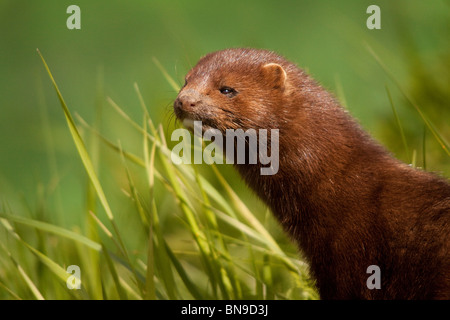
[311, 188]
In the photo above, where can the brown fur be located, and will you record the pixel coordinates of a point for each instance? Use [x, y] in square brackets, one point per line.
[346, 202]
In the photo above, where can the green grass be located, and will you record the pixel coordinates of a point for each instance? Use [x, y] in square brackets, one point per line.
[150, 229]
[99, 190]
[225, 251]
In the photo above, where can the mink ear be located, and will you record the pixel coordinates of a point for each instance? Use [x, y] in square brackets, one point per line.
[274, 75]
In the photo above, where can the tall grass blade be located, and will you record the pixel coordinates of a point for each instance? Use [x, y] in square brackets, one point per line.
[424, 153]
[92, 258]
[33, 288]
[191, 286]
[12, 293]
[149, 166]
[166, 75]
[50, 228]
[397, 120]
[114, 275]
[80, 145]
[88, 165]
[247, 216]
[49, 263]
[442, 142]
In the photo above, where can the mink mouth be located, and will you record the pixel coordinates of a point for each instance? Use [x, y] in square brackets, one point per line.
[189, 124]
[188, 119]
[206, 114]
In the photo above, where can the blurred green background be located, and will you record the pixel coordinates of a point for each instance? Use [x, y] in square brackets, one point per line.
[39, 165]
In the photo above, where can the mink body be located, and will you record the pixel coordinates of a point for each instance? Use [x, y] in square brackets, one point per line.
[341, 196]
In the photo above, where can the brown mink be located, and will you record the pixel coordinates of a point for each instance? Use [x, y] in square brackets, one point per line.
[340, 195]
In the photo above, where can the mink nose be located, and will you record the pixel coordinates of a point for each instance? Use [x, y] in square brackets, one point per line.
[178, 105]
[187, 100]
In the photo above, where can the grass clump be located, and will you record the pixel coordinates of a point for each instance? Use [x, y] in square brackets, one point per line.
[218, 248]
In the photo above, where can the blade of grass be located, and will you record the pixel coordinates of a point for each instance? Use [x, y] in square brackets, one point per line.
[229, 275]
[413, 158]
[114, 275]
[49, 142]
[88, 165]
[56, 269]
[33, 288]
[50, 228]
[268, 279]
[183, 275]
[444, 145]
[340, 91]
[92, 258]
[135, 295]
[80, 144]
[397, 120]
[12, 293]
[169, 79]
[139, 207]
[205, 247]
[248, 217]
[424, 153]
[129, 156]
[134, 193]
[82, 149]
[144, 108]
[149, 168]
[83, 152]
[150, 292]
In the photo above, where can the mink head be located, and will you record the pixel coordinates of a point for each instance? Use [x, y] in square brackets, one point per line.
[236, 89]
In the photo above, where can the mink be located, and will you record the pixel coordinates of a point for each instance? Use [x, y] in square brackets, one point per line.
[340, 195]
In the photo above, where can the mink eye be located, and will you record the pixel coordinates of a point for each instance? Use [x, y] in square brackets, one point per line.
[230, 92]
